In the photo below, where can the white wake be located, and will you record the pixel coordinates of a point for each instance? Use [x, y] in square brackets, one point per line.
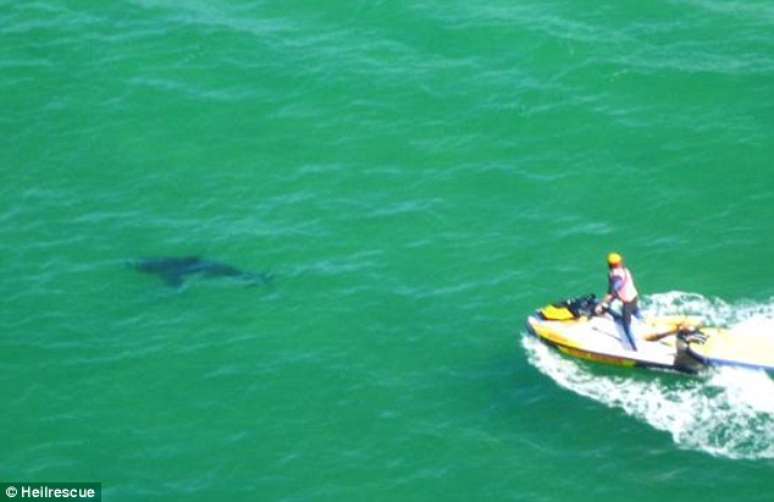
[729, 412]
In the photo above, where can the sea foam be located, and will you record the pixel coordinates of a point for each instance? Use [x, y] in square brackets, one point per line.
[728, 413]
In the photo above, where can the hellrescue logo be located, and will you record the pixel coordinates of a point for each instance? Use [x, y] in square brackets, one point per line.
[51, 491]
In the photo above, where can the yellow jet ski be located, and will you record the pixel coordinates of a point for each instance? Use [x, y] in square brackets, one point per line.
[677, 343]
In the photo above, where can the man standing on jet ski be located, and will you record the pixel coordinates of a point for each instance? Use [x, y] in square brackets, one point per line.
[621, 287]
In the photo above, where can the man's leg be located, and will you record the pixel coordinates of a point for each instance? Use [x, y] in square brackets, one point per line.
[628, 308]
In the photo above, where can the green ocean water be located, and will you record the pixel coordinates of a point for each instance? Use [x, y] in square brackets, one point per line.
[418, 178]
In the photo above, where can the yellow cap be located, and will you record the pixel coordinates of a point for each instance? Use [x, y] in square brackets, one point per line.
[614, 259]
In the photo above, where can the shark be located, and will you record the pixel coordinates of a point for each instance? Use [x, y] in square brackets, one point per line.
[174, 271]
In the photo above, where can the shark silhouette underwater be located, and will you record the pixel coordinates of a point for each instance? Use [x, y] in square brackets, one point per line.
[174, 271]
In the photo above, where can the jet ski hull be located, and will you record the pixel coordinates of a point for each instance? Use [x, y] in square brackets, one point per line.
[570, 340]
[673, 343]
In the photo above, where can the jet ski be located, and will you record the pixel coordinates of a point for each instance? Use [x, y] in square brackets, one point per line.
[674, 343]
